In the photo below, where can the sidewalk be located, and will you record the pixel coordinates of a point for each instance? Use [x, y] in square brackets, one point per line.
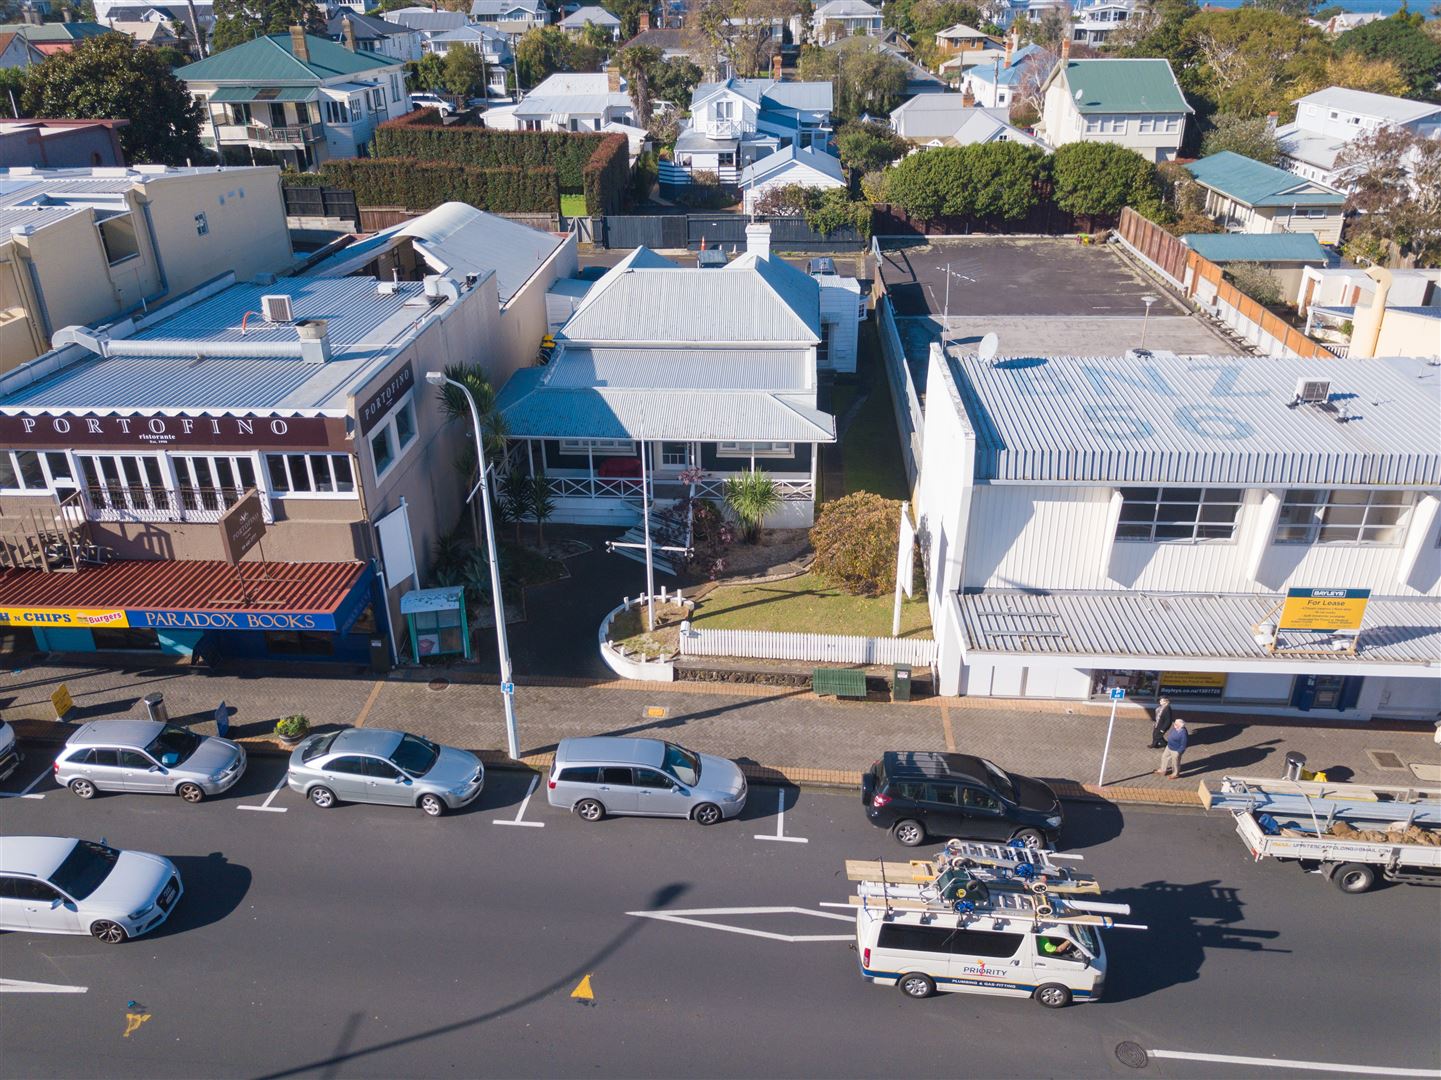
[779, 733]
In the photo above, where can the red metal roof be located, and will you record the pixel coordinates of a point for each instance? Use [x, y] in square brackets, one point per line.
[184, 585]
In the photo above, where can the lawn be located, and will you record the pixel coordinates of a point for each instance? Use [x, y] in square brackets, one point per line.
[572, 206]
[871, 448]
[807, 605]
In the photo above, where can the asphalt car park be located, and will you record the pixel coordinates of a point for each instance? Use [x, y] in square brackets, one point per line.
[369, 940]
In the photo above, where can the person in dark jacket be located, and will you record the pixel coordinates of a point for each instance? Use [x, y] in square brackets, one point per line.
[1161, 723]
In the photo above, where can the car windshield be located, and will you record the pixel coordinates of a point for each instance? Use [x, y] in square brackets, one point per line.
[84, 869]
[317, 746]
[682, 764]
[415, 755]
[1086, 938]
[173, 746]
[1001, 781]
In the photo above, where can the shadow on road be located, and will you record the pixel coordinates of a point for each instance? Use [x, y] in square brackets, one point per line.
[214, 887]
[1090, 825]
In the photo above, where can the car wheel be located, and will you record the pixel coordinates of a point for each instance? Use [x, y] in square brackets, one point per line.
[910, 833]
[432, 805]
[322, 797]
[1031, 838]
[1052, 996]
[589, 810]
[84, 788]
[708, 813]
[108, 932]
[1354, 877]
[191, 793]
[915, 985]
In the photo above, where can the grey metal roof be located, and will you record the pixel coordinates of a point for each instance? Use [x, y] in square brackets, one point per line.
[1222, 420]
[534, 410]
[679, 369]
[1393, 110]
[825, 164]
[426, 20]
[1156, 626]
[692, 140]
[536, 106]
[767, 93]
[19, 217]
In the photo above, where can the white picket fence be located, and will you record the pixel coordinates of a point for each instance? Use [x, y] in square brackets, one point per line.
[822, 648]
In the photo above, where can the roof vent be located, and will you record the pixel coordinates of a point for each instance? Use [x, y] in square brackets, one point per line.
[276, 308]
[1312, 391]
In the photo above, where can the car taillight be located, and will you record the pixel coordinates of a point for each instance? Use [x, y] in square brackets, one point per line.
[866, 958]
[878, 800]
[550, 784]
[56, 767]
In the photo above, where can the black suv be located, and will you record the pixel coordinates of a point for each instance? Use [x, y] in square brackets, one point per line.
[922, 792]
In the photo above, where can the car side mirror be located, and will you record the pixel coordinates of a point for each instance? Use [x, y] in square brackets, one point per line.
[56, 903]
[683, 791]
[156, 768]
[403, 780]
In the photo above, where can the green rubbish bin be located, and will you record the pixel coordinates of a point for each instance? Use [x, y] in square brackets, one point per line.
[901, 683]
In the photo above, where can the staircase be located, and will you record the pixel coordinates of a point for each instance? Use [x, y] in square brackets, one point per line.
[52, 539]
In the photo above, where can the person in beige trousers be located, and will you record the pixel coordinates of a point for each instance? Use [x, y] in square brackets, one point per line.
[1176, 740]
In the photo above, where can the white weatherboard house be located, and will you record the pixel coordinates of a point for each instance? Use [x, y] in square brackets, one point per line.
[707, 369]
[792, 165]
[566, 102]
[1108, 522]
[733, 123]
[1329, 119]
[844, 18]
[1134, 103]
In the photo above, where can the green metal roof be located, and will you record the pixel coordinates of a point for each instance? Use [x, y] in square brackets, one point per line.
[268, 59]
[47, 33]
[1255, 183]
[1286, 247]
[1127, 86]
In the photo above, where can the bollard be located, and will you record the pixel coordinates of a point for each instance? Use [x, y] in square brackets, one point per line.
[155, 708]
[1295, 763]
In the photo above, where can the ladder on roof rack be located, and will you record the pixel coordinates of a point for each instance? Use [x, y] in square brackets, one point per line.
[1003, 866]
[1323, 801]
[1005, 906]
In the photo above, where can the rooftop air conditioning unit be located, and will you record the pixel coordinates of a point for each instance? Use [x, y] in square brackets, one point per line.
[276, 308]
[1313, 391]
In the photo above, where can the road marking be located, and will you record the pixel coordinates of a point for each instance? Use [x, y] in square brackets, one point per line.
[28, 788]
[20, 986]
[369, 701]
[781, 824]
[946, 724]
[265, 807]
[534, 780]
[582, 992]
[1281, 1063]
[133, 1022]
[684, 919]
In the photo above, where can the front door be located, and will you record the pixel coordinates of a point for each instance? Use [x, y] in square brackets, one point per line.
[658, 794]
[1325, 692]
[139, 773]
[46, 909]
[386, 783]
[985, 816]
[617, 791]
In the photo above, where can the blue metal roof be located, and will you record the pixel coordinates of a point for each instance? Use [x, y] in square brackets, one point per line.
[1258, 247]
[1257, 184]
[1202, 420]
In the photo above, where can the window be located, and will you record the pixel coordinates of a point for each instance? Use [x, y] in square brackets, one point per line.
[585, 775]
[377, 99]
[20, 471]
[755, 449]
[381, 770]
[723, 109]
[1148, 124]
[980, 943]
[675, 453]
[202, 224]
[1314, 212]
[118, 235]
[652, 779]
[598, 446]
[1154, 515]
[394, 87]
[212, 483]
[612, 774]
[944, 794]
[34, 891]
[394, 435]
[932, 939]
[123, 638]
[133, 759]
[823, 350]
[299, 643]
[913, 790]
[347, 766]
[974, 799]
[102, 756]
[336, 112]
[126, 483]
[310, 474]
[1315, 515]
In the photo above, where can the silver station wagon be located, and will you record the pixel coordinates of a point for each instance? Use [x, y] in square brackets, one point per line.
[375, 766]
[609, 774]
[148, 756]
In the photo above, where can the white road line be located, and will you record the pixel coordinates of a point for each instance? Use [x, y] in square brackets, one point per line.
[20, 986]
[780, 833]
[534, 781]
[265, 807]
[683, 918]
[28, 788]
[1281, 1063]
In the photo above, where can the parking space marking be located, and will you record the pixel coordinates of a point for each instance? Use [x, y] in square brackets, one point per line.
[780, 833]
[534, 781]
[1282, 1063]
[26, 794]
[20, 986]
[265, 807]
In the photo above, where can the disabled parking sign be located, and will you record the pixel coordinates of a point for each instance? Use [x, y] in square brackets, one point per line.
[1117, 693]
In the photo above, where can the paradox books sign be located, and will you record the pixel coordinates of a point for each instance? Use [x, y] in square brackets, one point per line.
[60, 431]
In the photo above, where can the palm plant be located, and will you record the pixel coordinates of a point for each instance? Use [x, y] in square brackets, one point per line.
[752, 497]
[542, 505]
[453, 402]
[514, 502]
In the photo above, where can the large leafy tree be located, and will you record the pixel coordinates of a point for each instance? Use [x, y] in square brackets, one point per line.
[462, 73]
[1401, 40]
[1250, 61]
[996, 181]
[427, 73]
[674, 80]
[741, 30]
[868, 146]
[111, 76]
[545, 50]
[1249, 136]
[1003, 176]
[1096, 180]
[237, 21]
[1395, 181]
[865, 77]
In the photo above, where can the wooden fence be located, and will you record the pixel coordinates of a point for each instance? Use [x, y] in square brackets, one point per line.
[816, 648]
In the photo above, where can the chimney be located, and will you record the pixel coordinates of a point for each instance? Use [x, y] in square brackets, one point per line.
[299, 47]
[1065, 50]
[314, 340]
[968, 99]
[612, 79]
[347, 31]
[776, 67]
[1010, 46]
[758, 239]
[645, 20]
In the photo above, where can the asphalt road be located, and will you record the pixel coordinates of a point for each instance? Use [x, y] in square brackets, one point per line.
[371, 941]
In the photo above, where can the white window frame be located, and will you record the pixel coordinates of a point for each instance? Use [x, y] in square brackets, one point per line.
[160, 500]
[389, 428]
[755, 449]
[1324, 502]
[293, 462]
[666, 456]
[13, 457]
[1209, 496]
[199, 473]
[577, 447]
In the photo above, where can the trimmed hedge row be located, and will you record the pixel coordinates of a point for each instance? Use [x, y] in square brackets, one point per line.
[424, 185]
[607, 175]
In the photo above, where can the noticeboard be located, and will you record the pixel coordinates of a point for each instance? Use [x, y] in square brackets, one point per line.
[1192, 684]
[1326, 610]
[62, 701]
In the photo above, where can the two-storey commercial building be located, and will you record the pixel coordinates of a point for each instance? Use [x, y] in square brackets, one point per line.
[1213, 529]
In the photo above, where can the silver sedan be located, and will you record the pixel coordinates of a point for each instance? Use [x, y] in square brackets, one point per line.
[374, 766]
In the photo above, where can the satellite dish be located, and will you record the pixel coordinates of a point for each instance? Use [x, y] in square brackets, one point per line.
[988, 346]
[1080, 94]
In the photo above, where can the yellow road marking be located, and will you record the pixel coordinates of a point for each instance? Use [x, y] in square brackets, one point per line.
[365, 709]
[133, 1022]
[946, 723]
[583, 993]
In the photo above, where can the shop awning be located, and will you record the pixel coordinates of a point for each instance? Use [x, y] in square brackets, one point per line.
[190, 595]
[235, 94]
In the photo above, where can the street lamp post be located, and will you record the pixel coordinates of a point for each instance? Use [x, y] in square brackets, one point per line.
[1148, 300]
[507, 685]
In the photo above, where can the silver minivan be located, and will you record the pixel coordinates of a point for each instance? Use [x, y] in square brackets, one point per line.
[613, 775]
[148, 756]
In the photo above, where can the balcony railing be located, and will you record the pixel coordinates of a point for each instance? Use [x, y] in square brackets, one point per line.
[723, 129]
[294, 135]
[119, 502]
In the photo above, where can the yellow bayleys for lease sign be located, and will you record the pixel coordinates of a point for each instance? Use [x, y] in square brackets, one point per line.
[1324, 609]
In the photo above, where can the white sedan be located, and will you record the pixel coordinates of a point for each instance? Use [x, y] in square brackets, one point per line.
[59, 885]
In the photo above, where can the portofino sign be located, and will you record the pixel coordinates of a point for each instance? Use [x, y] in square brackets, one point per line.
[65, 430]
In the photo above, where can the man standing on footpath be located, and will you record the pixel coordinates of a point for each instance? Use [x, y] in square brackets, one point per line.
[1161, 724]
[1176, 739]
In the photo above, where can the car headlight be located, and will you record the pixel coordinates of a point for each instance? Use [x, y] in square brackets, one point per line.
[1054, 821]
[136, 915]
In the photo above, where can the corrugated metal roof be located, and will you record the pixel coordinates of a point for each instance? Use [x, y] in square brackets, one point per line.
[825, 164]
[1144, 626]
[677, 369]
[271, 93]
[426, 20]
[18, 217]
[1257, 184]
[767, 93]
[1221, 420]
[589, 15]
[538, 105]
[269, 59]
[182, 585]
[1393, 110]
[1125, 86]
[1258, 247]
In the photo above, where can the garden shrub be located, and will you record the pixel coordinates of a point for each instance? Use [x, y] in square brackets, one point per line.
[855, 540]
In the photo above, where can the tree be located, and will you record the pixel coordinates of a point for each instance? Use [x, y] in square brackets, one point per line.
[237, 21]
[1296, 9]
[1395, 181]
[110, 75]
[1356, 71]
[1157, 30]
[868, 146]
[1004, 175]
[866, 79]
[462, 72]
[636, 64]
[1257, 282]
[426, 74]
[1096, 180]
[544, 50]
[855, 540]
[741, 30]
[1251, 61]
[1052, 28]
[12, 91]
[1251, 137]
[752, 497]
[931, 184]
[542, 504]
[1185, 200]
[629, 13]
[1401, 40]
[996, 181]
[674, 80]
[830, 209]
[783, 200]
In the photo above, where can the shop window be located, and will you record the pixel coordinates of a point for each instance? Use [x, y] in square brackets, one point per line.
[755, 449]
[126, 483]
[299, 643]
[124, 638]
[1316, 515]
[310, 474]
[213, 483]
[1160, 514]
[20, 470]
[118, 235]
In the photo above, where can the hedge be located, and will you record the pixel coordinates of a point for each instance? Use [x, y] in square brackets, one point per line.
[595, 163]
[424, 185]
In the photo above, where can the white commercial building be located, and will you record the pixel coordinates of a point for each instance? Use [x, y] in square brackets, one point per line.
[1138, 523]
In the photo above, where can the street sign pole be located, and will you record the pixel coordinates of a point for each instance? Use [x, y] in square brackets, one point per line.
[1116, 695]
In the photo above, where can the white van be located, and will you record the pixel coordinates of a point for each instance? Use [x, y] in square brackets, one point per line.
[991, 953]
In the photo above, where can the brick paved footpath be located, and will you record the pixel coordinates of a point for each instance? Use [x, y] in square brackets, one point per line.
[775, 732]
